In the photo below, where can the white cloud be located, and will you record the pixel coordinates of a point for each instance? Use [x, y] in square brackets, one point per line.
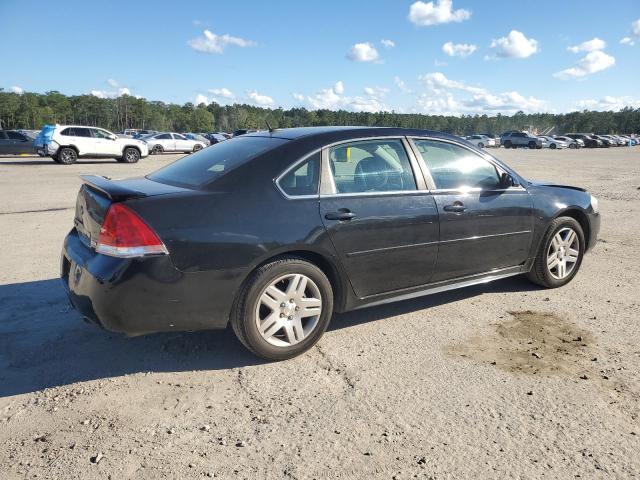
[440, 63]
[259, 99]
[298, 96]
[458, 49]
[113, 93]
[440, 98]
[627, 41]
[435, 13]
[608, 103]
[437, 81]
[402, 86]
[222, 93]
[515, 45]
[112, 83]
[592, 62]
[363, 52]
[387, 43]
[333, 99]
[202, 99]
[635, 28]
[209, 42]
[16, 89]
[589, 46]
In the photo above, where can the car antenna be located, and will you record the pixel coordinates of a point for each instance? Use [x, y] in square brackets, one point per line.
[271, 130]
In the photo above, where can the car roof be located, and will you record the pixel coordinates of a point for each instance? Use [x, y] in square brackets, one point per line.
[341, 132]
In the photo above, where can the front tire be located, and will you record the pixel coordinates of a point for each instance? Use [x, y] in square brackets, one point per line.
[67, 156]
[283, 308]
[481, 145]
[553, 146]
[560, 254]
[197, 147]
[130, 155]
[157, 150]
[507, 144]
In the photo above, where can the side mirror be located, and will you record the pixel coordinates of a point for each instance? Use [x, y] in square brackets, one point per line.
[113, 137]
[506, 180]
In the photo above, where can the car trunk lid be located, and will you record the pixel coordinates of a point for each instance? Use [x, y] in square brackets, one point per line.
[98, 193]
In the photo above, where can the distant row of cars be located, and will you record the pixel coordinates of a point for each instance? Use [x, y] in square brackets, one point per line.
[516, 139]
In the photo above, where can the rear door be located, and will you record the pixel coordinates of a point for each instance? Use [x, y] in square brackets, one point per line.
[183, 144]
[483, 226]
[379, 215]
[5, 143]
[19, 143]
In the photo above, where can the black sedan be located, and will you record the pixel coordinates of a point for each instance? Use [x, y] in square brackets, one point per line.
[13, 142]
[273, 231]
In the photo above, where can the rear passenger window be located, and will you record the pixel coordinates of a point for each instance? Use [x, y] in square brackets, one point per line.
[371, 166]
[453, 167]
[68, 132]
[303, 179]
[83, 132]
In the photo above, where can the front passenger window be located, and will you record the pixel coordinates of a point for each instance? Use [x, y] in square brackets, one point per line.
[371, 166]
[455, 168]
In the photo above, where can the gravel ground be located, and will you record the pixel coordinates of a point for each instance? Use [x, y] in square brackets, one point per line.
[446, 386]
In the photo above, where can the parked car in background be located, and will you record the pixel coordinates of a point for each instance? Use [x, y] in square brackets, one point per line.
[242, 131]
[172, 142]
[606, 142]
[215, 137]
[67, 143]
[520, 139]
[198, 137]
[481, 141]
[496, 138]
[552, 142]
[364, 216]
[13, 142]
[588, 139]
[615, 140]
[571, 142]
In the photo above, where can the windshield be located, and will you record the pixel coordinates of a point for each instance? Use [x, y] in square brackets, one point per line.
[213, 162]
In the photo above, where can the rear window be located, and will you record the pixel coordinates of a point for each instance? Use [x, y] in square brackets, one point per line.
[213, 162]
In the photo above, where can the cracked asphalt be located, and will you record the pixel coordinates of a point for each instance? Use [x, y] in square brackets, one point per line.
[502, 380]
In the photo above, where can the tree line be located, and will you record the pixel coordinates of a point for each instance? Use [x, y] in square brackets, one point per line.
[31, 111]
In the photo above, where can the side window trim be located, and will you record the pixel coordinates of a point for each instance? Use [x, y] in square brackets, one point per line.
[327, 182]
[427, 174]
[294, 166]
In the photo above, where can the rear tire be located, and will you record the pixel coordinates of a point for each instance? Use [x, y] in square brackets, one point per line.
[553, 146]
[67, 156]
[507, 144]
[130, 155]
[481, 145]
[545, 270]
[265, 319]
[157, 150]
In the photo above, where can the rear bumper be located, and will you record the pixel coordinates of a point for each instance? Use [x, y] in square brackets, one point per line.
[144, 295]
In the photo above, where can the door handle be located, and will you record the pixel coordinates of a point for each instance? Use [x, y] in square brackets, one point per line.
[343, 214]
[457, 207]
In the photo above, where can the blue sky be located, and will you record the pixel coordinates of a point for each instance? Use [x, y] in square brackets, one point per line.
[500, 56]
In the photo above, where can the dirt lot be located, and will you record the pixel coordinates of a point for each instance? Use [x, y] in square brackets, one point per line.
[446, 386]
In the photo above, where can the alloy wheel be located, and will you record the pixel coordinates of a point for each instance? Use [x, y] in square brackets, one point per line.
[288, 310]
[563, 253]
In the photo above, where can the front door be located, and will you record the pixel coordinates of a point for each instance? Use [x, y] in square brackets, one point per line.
[484, 225]
[379, 215]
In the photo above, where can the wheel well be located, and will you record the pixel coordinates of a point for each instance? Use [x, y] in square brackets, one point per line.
[324, 264]
[582, 219]
[131, 146]
[72, 147]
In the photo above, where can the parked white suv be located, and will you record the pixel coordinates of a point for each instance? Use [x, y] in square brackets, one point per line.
[66, 143]
[172, 142]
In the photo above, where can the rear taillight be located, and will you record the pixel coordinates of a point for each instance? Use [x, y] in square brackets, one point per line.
[124, 234]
